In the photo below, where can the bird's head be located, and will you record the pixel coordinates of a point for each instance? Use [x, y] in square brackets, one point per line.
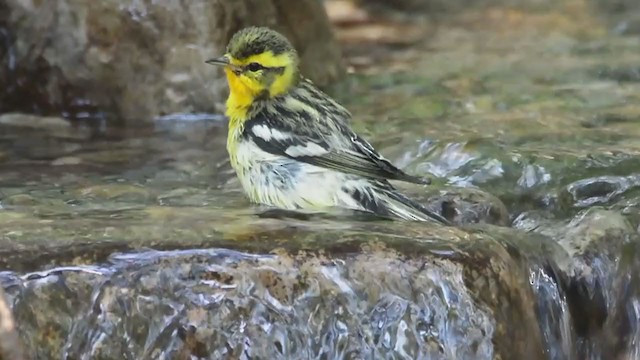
[259, 63]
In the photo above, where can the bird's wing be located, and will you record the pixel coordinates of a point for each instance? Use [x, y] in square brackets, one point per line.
[354, 155]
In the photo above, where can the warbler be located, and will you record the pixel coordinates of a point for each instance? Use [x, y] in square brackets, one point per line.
[291, 144]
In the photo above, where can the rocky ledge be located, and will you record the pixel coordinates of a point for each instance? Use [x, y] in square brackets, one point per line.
[362, 290]
[136, 60]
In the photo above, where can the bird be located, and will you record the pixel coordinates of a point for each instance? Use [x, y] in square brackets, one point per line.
[291, 145]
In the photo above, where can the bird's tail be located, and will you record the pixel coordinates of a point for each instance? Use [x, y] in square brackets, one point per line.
[405, 208]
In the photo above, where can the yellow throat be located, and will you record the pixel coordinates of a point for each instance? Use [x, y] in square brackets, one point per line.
[245, 89]
[260, 64]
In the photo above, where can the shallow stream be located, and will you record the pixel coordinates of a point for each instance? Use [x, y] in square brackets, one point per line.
[137, 242]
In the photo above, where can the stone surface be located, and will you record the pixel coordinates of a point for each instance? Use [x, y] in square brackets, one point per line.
[595, 240]
[52, 127]
[10, 344]
[139, 59]
[389, 288]
[465, 205]
[597, 280]
[598, 190]
[439, 295]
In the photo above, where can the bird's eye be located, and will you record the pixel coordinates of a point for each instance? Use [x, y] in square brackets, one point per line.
[254, 67]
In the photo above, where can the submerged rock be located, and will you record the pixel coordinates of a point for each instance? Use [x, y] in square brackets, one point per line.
[598, 190]
[596, 241]
[432, 292]
[321, 287]
[596, 280]
[141, 59]
[53, 127]
[10, 345]
[466, 205]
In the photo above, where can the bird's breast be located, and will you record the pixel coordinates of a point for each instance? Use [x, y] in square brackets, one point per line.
[245, 154]
[266, 178]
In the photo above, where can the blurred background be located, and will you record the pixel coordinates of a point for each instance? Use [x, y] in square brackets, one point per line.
[123, 229]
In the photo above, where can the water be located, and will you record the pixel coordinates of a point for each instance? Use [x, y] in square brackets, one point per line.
[137, 242]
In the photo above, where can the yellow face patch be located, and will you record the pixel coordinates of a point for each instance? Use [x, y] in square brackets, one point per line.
[266, 59]
[245, 85]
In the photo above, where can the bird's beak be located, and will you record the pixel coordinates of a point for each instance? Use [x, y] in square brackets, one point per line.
[221, 61]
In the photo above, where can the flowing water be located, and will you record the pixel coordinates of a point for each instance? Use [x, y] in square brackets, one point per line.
[136, 242]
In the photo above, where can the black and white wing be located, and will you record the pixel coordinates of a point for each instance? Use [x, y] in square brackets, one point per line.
[352, 154]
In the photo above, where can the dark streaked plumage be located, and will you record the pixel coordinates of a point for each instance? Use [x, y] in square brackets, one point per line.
[256, 40]
[318, 122]
[291, 144]
[324, 123]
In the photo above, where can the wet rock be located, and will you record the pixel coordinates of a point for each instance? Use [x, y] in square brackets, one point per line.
[433, 292]
[10, 344]
[7, 217]
[51, 126]
[466, 205]
[113, 156]
[33, 203]
[67, 161]
[597, 191]
[592, 294]
[623, 15]
[620, 334]
[614, 6]
[38, 147]
[541, 295]
[185, 197]
[48, 331]
[623, 115]
[20, 200]
[630, 208]
[131, 193]
[532, 176]
[619, 74]
[590, 228]
[596, 241]
[139, 59]
[31, 121]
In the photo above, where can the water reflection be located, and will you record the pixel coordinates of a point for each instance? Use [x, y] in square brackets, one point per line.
[137, 240]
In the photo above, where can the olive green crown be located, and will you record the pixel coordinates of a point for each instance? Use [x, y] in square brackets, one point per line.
[257, 40]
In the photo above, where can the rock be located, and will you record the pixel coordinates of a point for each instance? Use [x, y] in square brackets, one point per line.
[630, 74]
[34, 122]
[67, 161]
[384, 287]
[10, 344]
[627, 114]
[430, 292]
[596, 241]
[622, 15]
[590, 228]
[20, 200]
[121, 155]
[54, 127]
[141, 59]
[131, 193]
[620, 334]
[465, 205]
[601, 190]
[630, 208]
